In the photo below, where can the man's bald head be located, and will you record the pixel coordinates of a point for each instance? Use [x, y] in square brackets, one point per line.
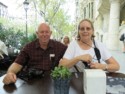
[44, 33]
[43, 25]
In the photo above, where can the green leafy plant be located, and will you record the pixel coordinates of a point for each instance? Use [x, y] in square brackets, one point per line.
[61, 72]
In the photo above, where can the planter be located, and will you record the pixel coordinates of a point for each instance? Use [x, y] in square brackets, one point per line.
[61, 86]
[61, 77]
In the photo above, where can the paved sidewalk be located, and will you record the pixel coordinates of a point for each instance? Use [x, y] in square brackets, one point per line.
[120, 57]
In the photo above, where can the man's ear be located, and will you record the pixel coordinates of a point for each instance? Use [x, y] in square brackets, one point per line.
[51, 32]
[37, 33]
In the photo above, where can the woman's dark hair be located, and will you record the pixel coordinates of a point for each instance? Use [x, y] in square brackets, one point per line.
[78, 36]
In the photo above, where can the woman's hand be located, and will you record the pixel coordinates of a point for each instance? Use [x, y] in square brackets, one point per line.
[87, 58]
[97, 65]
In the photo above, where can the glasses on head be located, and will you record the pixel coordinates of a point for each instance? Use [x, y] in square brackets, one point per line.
[85, 28]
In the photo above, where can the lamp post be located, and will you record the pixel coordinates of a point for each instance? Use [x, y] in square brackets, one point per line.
[26, 3]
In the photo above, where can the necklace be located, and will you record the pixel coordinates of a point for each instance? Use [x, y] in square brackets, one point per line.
[97, 52]
[87, 44]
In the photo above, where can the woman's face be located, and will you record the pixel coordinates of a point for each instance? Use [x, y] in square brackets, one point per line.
[85, 31]
[66, 40]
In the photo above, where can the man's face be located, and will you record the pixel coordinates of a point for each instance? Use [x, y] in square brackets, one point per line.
[44, 33]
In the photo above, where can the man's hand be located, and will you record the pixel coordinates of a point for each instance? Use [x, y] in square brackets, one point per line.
[9, 78]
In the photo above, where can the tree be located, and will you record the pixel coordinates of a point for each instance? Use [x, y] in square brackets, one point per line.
[54, 14]
[11, 33]
[51, 11]
[47, 8]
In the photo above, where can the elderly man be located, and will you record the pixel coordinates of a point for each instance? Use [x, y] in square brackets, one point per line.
[36, 54]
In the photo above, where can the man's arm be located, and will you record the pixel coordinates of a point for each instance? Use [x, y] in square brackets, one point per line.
[14, 68]
[11, 73]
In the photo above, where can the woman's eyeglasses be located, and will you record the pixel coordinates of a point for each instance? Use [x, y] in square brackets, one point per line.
[85, 28]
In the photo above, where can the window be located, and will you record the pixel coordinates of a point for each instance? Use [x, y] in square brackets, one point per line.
[89, 11]
[84, 12]
[92, 9]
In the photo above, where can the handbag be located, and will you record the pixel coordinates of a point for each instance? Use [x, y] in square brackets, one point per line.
[122, 37]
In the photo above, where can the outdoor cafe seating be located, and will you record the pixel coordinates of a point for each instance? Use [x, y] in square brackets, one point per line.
[44, 85]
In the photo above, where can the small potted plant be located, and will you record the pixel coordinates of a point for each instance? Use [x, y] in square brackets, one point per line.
[61, 77]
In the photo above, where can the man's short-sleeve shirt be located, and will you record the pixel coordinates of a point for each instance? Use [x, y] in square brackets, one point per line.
[34, 56]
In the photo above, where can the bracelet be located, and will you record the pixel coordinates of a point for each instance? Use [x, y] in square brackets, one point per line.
[106, 67]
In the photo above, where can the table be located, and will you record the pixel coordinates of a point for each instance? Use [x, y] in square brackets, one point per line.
[44, 85]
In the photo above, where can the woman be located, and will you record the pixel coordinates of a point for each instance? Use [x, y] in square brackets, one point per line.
[66, 40]
[82, 50]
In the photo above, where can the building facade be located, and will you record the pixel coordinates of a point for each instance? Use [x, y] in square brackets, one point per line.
[108, 17]
[3, 10]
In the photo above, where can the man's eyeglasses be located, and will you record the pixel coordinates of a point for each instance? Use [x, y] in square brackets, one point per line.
[83, 28]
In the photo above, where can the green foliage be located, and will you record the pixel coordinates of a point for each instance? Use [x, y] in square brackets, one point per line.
[12, 33]
[53, 12]
[25, 40]
[32, 37]
[10, 36]
[61, 72]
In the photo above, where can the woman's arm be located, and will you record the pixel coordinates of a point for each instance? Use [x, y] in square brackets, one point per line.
[71, 62]
[68, 63]
[111, 66]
